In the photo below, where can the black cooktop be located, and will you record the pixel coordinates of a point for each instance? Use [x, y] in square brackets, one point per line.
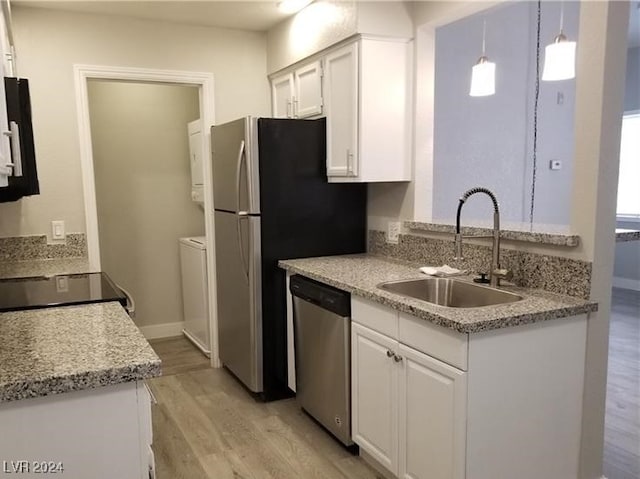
[62, 290]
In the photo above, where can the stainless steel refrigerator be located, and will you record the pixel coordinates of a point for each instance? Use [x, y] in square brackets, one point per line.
[271, 202]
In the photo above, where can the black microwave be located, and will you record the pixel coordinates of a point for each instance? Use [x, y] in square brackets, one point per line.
[24, 180]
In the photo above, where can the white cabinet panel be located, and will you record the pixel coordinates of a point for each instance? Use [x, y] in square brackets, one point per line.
[95, 433]
[281, 96]
[432, 418]
[298, 93]
[307, 101]
[368, 106]
[375, 395]
[341, 103]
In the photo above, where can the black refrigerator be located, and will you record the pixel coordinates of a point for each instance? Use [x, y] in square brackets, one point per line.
[272, 201]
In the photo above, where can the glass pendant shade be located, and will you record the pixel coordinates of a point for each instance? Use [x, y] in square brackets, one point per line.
[483, 78]
[559, 60]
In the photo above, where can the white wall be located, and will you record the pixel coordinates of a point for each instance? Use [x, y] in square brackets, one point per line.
[314, 28]
[50, 42]
[327, 22]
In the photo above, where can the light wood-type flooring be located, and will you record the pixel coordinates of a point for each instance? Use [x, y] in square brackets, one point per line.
[206, 425]
[622, 422]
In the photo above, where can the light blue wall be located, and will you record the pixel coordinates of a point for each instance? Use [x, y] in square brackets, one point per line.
[487, 141]
[627, 259]
[632, 91]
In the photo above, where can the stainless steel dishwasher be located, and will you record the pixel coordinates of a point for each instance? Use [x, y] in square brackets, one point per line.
[322, 334]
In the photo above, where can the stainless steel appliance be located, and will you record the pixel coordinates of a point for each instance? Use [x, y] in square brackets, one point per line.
[272, 201]
[322, 328]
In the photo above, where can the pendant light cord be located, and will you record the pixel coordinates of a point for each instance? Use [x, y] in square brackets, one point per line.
[484, 34]
[535, 121]
[561, 15]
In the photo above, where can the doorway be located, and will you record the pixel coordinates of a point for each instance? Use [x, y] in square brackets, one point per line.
[139, 252]
[143, 192]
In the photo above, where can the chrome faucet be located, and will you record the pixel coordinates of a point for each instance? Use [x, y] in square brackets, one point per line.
[495, 273]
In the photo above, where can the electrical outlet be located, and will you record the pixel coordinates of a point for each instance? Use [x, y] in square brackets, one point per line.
[393, 232]
[57, 230]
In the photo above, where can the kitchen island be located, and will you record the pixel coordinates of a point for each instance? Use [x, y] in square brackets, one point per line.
[72, 396]
[459, 393]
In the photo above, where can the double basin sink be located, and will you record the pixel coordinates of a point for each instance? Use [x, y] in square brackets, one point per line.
[449, 292]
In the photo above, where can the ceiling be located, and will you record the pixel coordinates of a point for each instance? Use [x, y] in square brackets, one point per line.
[258, 15]
[238, 14]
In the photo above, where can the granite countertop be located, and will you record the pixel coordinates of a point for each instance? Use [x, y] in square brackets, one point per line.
[43, 267]
[58, 350]
[623, 235]
[556, 238]
[359, 275]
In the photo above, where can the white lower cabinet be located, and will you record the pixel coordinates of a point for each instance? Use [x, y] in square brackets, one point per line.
[409, 409]
[432, 417]
[100, 433]
[429, 402]
[374, 391]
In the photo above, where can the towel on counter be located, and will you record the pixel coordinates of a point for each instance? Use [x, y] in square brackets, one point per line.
[444, 270]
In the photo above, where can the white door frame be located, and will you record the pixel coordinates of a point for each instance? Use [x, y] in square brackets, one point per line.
[203, 80]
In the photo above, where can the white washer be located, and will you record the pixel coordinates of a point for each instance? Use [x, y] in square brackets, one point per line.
[195, 291]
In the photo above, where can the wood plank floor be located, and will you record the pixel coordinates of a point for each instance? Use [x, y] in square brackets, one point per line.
[178, 355]
[206, 425]
[622, 422]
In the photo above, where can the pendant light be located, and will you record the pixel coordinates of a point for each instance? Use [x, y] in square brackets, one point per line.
[483, 73]
[560, 56]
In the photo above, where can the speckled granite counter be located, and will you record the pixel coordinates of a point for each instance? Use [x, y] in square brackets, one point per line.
[623, 235]
[58, 350]
[359, 275]
[551, 238]
[43, 267]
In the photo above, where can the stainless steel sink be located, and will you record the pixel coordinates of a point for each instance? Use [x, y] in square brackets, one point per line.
[449, 292]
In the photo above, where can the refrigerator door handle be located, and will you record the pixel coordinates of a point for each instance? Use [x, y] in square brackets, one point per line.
[242, 215]
[241, 155]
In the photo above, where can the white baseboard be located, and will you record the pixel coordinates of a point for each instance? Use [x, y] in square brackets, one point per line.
[626, 283]
[164, 330]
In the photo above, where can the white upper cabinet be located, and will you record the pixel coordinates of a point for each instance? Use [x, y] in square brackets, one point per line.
[282, 96]
[368, 105]
[298, 94]
[341, 96]
[307, 81]
[363, 87]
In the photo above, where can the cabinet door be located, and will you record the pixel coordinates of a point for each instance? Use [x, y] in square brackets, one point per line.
[281, 96]
[341, 106]
[432, 418]
[374, 389]
[307, 100]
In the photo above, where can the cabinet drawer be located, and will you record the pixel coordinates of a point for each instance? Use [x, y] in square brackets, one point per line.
[375, 316]
[444, 344]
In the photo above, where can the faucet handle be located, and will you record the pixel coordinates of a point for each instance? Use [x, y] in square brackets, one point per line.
[503, 273]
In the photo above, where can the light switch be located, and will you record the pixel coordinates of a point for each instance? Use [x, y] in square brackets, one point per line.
[555, 165]
[57, 230]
